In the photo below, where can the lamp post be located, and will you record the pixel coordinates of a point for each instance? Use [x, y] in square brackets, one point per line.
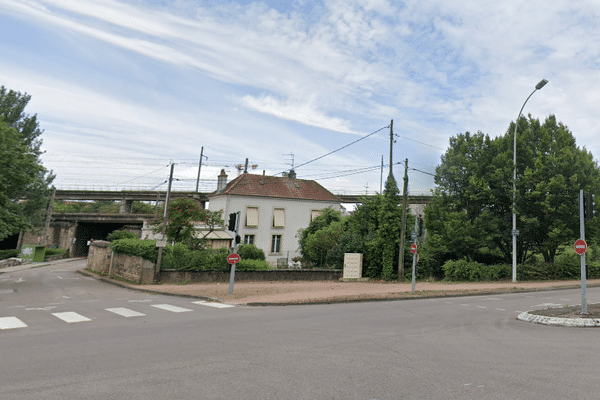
[515, 232]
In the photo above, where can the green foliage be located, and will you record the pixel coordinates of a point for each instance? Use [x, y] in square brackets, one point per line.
[4, 254]
[318, 238]
[471, 215]
[143, 208]
[250, 252]
[116, 235]
[184, 213]
[54, 252]
[252, 265]
[471, 271]
[145, 249]
[176, 257]
[22, 174]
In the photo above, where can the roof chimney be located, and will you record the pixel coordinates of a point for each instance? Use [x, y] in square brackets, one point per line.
[221, 181]
[292, 174]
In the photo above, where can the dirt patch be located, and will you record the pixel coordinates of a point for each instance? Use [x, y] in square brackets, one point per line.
[297, 292]
[593, 311]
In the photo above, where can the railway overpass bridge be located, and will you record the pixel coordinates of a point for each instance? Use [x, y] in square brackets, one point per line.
[73, 230]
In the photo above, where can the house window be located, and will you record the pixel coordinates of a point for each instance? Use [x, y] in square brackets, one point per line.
[248, 239]
[278, 218]
[276, 244]
[314, 214]
[252, 217]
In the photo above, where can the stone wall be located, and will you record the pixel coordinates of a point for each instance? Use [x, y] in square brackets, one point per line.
[102, 260]
[99, 256]
[174, 276]
[10, 262]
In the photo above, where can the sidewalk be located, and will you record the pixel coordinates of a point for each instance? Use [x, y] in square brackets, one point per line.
[290, 293]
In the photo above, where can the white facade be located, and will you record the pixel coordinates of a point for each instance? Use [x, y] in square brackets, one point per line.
[271, 224]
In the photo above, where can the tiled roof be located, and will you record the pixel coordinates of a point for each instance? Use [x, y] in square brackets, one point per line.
[273, 186]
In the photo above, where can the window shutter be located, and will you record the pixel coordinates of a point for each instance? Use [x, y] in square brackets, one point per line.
[252, 216]
[279, 218]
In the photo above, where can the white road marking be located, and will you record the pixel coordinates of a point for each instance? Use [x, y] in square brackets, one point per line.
[139, 301]
[60, 277]
[71, 317]
[466, 305]
[501, 309]
[41, 308]
[212, 304]
[547, 305]
[11, 323]
[66, 297]
[169, 307]
[20, 280]
[125, 312]
[481, 307]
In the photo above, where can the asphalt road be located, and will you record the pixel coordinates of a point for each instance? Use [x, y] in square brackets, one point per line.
[454, 348]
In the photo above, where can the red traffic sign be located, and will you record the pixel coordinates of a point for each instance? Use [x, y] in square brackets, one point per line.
[580, 247]
[413, 248]
[233, 258]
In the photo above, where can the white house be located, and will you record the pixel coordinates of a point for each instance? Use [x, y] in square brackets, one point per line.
[272, 210]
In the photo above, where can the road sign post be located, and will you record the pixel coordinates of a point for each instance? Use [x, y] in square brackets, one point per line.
[580, 248]
[232, 259]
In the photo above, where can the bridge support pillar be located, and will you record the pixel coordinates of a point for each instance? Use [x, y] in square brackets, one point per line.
[126, 206]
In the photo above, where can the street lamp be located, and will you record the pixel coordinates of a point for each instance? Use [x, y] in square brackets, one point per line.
[515, 232]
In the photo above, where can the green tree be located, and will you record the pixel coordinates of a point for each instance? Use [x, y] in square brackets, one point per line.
[183, 216]
[23, 176]
[471, 215]
[390, 223]
[310, 248]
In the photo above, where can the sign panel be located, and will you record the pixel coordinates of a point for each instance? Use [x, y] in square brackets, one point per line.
[233, 258]
[413, 248]
[580, 247]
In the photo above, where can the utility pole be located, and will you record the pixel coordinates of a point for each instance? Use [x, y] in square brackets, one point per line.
[391, 144]
[381, 177]
[46, 233]
[163, 230]
[199, 168]
[403, 231]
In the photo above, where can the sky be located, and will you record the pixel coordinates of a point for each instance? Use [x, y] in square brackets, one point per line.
[122, 88]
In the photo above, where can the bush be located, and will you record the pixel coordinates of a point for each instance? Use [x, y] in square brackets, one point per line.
[4, 254]
[251, 252]
[252, 265]
[117, 235]
[142, 248]
[54, 252]
[177, 258]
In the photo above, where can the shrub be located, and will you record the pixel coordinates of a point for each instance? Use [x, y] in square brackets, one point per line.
[54, 252]
[252, 265]
[177, 258]
[462, 270]
[250, 252]
[142, 248]
[4, 254]
[117, 235]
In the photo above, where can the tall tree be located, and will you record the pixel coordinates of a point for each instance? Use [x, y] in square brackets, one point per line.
[390, 224]
[471, 215]
[23, 176]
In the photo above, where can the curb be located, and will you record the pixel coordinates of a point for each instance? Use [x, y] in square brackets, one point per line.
[556, 321]
[332, 301]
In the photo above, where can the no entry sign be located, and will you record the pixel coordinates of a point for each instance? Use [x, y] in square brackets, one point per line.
[580, 247]
[233, 258]
[413, 248]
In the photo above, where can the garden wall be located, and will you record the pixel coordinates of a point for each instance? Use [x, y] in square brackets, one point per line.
[174, 276]
[102, 260]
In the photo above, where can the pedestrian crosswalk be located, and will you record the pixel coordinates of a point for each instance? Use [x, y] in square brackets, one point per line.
[70, 317]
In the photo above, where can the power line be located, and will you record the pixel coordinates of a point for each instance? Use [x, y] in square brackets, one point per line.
[425, 144]
[343, 147]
